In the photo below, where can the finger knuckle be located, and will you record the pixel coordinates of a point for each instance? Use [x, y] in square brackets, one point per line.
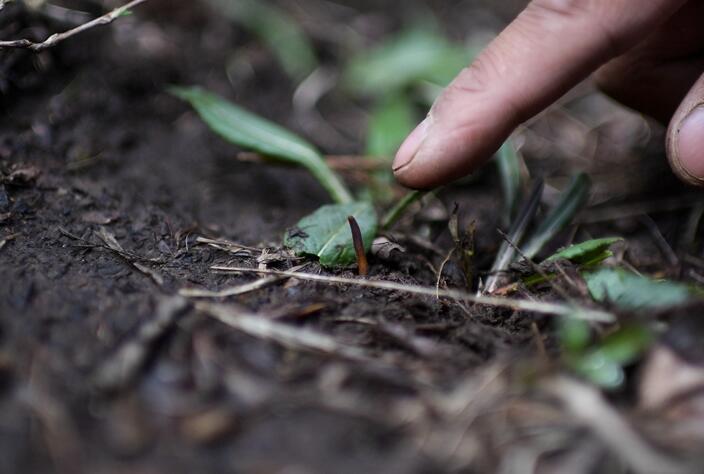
[594, 15]
[563, 8]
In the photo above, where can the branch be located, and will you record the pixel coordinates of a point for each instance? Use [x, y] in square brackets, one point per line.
[59, 37]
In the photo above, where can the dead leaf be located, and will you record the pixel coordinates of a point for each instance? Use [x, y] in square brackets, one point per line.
[382, 247]
[23, 176]
[209, 427]
[100, 218]
[662, 365]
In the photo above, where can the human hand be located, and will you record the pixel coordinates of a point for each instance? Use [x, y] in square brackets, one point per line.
[648, 54]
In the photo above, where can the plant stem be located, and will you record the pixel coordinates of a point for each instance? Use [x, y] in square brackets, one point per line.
[400, 208]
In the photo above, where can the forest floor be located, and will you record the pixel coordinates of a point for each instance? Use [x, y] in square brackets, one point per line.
[114, 197]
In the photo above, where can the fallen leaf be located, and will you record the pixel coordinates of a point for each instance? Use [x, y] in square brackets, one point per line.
[100, 218]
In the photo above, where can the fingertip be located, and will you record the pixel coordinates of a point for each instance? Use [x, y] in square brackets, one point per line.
[411, 145]
[686, 147]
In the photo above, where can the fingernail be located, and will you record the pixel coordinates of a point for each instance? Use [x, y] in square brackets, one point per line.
[410, 147]
[690, 144]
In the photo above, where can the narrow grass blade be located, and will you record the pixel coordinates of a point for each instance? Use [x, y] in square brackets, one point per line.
[257, 134]
[507, 252]
[509, 163]
[571, 202]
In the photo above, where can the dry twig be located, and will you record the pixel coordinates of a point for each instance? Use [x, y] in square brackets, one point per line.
[557, 309]
[588, 406]
[288, 336]
[235, 290]
[56, 38]
[122, 368]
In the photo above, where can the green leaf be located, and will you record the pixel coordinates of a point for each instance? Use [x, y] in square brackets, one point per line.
[277, 30]
[411, 57]
[599, 370]
[589, 252]
[632, 292]
[627, 344]
[574, 334]
[257, 134]
[326, 233]
[390, 123]
[571, 202]
[603, 364]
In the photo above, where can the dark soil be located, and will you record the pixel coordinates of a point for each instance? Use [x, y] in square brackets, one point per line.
[91, 146]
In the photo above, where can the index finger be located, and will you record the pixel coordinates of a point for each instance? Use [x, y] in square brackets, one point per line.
[550, 47]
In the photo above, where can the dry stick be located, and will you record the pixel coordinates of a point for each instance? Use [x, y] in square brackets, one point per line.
[124, 365]
[660, 240]
[289, 336]
[590, 408]
[557, 309]
[233, 291]
[360, 252]
[56, 38]
[236, 290]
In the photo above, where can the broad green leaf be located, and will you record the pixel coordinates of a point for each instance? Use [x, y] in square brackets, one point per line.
[509, 163]
[326, 233]
[390, 123]
[599, 370]
[257, 134]
[277, 30]
[629, 291]
[626, 344]
[410, 57]
[574, 334]
[603, 364]
[589, 252]
[571, 202]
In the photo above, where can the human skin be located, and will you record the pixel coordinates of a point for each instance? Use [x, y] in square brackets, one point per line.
[647, 54]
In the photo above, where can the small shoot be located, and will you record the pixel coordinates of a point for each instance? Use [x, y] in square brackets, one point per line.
[359, 250]
[257, 134]
[325, 234]
[410, 58]
[389, 124]
[572, 201]
[281, 33]
[464, 246]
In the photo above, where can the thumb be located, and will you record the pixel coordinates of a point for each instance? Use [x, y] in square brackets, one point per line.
[550, 47]
[685, 137]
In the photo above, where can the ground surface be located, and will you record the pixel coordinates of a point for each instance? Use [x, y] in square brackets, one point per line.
[93, 152]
